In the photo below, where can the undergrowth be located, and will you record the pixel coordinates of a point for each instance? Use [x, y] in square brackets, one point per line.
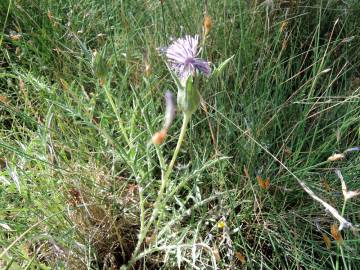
[78, 171]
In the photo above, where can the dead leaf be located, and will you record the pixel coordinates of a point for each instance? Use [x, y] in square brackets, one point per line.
[267, 182]
[246, 172]
[336, 157]
[240, 257]
[216, 253]
[264, 184]
[4, 100]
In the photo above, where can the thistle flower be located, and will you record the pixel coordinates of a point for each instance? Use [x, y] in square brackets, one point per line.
[182, 57]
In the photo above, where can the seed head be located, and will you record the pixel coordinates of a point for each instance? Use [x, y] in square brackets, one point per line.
[207, 24]
[159, 137]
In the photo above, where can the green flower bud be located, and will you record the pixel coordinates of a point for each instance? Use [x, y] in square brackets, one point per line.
[100, 66]
[188, 97]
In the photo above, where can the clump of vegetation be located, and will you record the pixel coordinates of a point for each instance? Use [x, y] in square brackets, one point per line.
[257, 166]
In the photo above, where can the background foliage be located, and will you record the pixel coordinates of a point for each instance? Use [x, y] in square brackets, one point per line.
[70, 181]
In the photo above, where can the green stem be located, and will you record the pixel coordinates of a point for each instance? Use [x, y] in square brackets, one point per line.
[119, 120]
[164, 182]
[343, 208]
[339, 245]
[186, 120]
[6, 18]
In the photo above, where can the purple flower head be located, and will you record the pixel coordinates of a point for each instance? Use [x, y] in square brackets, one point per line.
[182, 56]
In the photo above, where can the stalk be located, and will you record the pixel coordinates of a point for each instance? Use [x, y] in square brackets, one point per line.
[339, 245]
[164, 182]
[119, 120]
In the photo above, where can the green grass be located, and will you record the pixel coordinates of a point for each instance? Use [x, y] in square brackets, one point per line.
[78, 174]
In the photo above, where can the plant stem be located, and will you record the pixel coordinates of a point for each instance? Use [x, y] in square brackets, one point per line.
[164, 182]
[121, 126]
[186, 120]
[339, 245]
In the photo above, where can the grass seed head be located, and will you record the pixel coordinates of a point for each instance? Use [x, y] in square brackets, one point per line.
[207, 24]
[336, 233]
[326, 240]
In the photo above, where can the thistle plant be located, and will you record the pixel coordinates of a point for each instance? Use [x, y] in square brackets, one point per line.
[184, 66]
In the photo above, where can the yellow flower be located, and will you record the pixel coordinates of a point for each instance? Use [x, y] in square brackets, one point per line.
[221, 224]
